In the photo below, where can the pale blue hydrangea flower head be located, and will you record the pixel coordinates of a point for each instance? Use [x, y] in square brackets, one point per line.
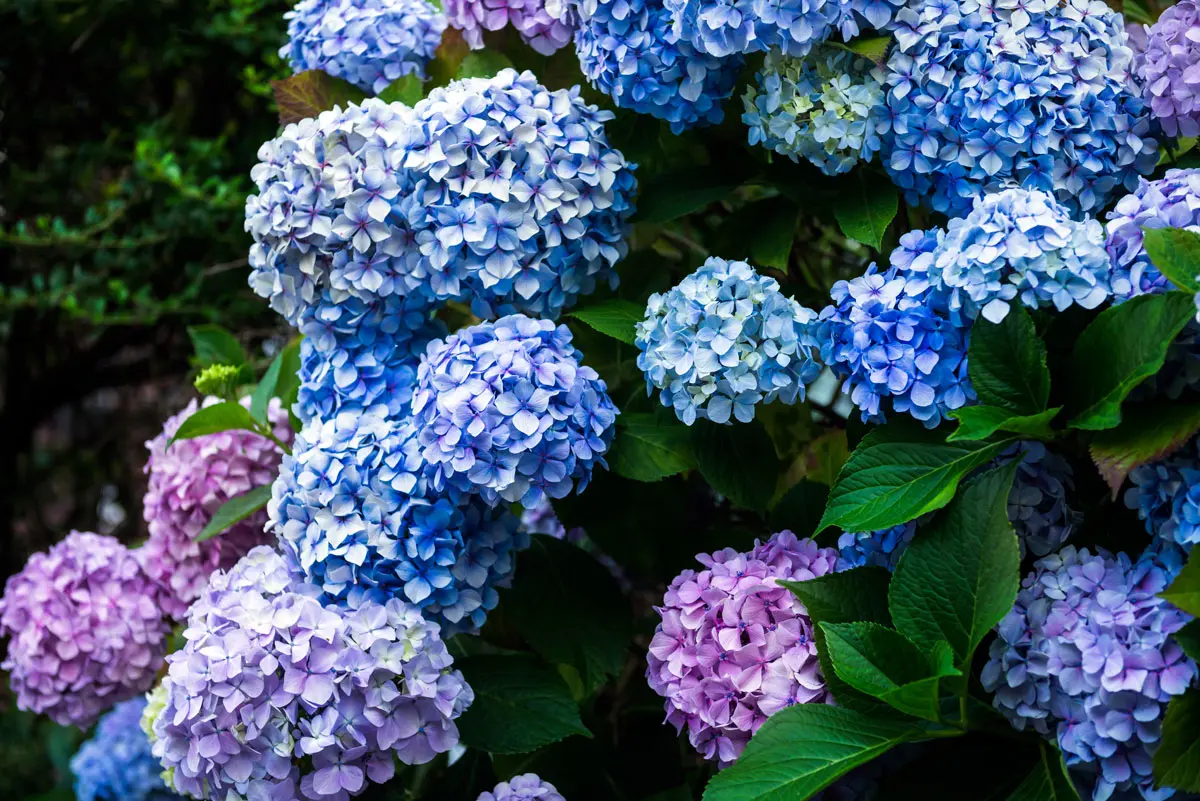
[1086, 657]
[116, 763]
[369, 43]
[983, 95]
[1167, 68]
[724, 340]
[277, 696]
[506, 410]
[825, 108]
[1172, 201]
[353, 508]
[1166, 495]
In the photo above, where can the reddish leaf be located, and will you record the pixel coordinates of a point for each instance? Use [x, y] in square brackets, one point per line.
[1152, 432]
[306, 94]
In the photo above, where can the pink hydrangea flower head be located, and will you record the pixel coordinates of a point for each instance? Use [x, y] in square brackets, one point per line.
[86, 631]
[189, 481]
[537, 27]
[734, 646]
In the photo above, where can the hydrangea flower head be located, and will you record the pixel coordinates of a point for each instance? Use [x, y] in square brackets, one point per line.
[734, 647]
[1172, 201]
[538, 29]
[116, 763]
[825, 108]
[1166, 495]
[506, 410]
[369, 43]
[984, 95]
[1086, 658]
[85, 629]
[526, 787]
[519, 203]
[1167, 67]
[724, 340]
[1038, 507]
[277, 696]
[881, 548]
[189, 480]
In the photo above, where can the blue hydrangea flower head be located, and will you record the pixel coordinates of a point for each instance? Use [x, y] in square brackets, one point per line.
[116, 763]
[1086, 658]
[1166, 495]
[983, 95]
[724, 340]
[1172, 201]
[506, 410]
[881, 548]
[825, 108]
[1037, 505]
[519, 203]
[369, 43]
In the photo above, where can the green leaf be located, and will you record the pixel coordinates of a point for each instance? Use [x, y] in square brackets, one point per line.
[1122, 347]
[1152, 432]
[800, 508]
[1176, 254]
[521, 704]
[1188, 638]
[1135, 11]
[483, 64]
[215, 345]
[1177, 760]
[1007, 363]
[306, 94]
[615, 318]
[227, 416]
[959, 576]
[981, 422]
[287, 388]
[407, 89]
[1184, 592]
[265, 390]
[894, 477]
[804, 748]
[866, 208]
[671, 194]
[874, 48]
[235, 510]
[1048, 781]
[771, 232]
[569, 608]
[649, 449]
[738, 461]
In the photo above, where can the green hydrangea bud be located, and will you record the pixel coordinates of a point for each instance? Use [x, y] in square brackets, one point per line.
[221, 380]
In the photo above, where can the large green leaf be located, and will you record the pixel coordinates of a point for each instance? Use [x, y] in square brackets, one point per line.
[215, 345]
[1176, 254]
[1184, 592]
[675, 193]
[235, 510]
[483, 64]
[287, 388]
[616, 318]
[1150, 432]
[260, 401]
[1121, 348]
[407, 89]
[1177, 760]
[981, 422]
[521, 704]
[647, 448]
[738, 461]
[960, 574]
[1188, 638]
[866, 207]
[1007, 363]
[800, 508]
[226, 416]
[306, 94]
[760, 232]
[1048, 781]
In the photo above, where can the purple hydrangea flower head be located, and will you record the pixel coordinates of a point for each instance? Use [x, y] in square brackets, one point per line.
[116, 763]
[506, 410]
[538, 29]
[734, 647]
[629, 50]
[1169, 68]
[519, 203]
[1166, 495]
[985, 95]
[825, 108]
[276, 696]
[1037, 504]
[353, 508]
[724, 340]
[881, 548]
[189, 480]
[526, 787]
[1172, 201]
[369, 43]
[1086, 658]
[85, 629]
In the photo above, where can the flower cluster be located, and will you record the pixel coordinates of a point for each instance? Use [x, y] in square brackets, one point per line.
[881, 548]
[352, 506]
[824, 108]
[1086, 657]
[506, 410]
[1167, 67]
[116, 763]
[1172, 201]
[191, 479]
[86, 631]
[724, 340]
[526, 787]
[277, 696]
[1037, 503]
[734, 647]
[1166, 495]
[538, 29]
[628, 50]
[369, 43]
[982, 95]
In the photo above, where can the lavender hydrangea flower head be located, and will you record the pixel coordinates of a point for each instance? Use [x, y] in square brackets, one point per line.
[734, 647]
[519, 203]
[825, 108]
[526, 787]
[538, 29]
[116, 763]
[369, 43]
[1166, 495]
[276, 696]
[984, 95]
[506, 410]
[1086, 657]
[85, 630]
[1167, 66]
[1172, 201]
[724, 340]
[189, 480]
